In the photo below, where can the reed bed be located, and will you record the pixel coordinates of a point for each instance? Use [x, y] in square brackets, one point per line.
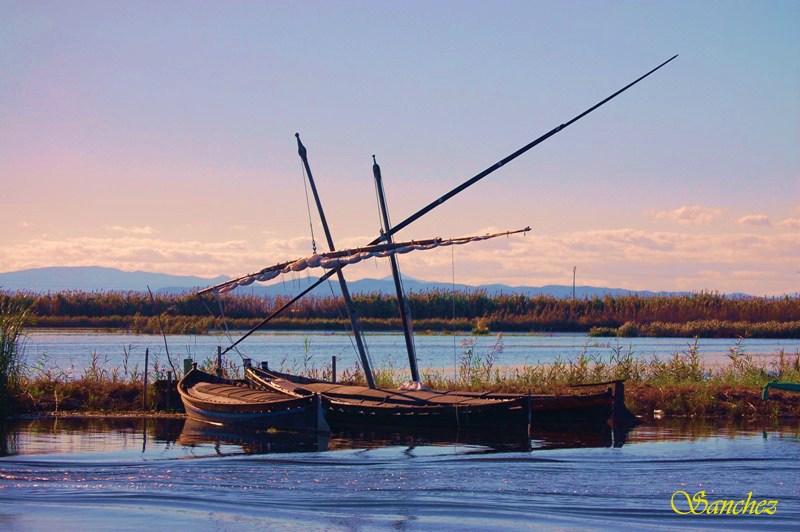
[703, 314]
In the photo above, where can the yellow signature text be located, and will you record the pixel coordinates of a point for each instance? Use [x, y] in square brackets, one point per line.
[698, 504]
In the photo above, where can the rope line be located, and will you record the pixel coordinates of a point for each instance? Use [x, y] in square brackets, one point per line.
[453, 323]
[308, 208]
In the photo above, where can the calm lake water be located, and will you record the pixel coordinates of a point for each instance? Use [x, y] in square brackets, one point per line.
[133, 473]
[71, 351]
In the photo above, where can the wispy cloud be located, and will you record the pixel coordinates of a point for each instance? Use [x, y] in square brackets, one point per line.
[755, 219]
[129, 252]
[788, 223]
[132, 230]
[689, 215]
[628, 258]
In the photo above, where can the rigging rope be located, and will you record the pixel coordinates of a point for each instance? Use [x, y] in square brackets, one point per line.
[308, 208]
[225, 329]
[453, 326]
[378, 207]
[347, 329]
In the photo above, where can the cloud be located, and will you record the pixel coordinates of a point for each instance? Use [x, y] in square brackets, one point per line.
[132, 230]
[689, 215]
[756, 263]
[132, 252]
[789, 223]
[755, 219]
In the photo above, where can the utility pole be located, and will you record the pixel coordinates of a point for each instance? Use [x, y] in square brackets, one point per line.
[574, 268]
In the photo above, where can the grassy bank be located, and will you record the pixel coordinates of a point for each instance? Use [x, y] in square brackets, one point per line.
[680, 385]
[702, 314]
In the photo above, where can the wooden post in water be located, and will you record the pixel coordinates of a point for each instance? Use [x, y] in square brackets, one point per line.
[333, 368]
[265, 365]
[146, 369]
[528, 408]
[169, 389]
[219, 361]
[620, 414]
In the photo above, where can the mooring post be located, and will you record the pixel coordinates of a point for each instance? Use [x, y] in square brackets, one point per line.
[219, 361]
[528, 408]
[265, 365]
[247, 363]
[333, 368]
[169, 389]
[187, 365]
[144, 387]
[619, 411]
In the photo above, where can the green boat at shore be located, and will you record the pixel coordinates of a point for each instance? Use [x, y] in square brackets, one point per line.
[785, 386]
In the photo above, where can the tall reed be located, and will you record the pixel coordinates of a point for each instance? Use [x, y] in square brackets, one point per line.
[14, 316]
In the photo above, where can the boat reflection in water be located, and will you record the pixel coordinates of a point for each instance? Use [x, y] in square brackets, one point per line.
[134, 438]
[226, 440]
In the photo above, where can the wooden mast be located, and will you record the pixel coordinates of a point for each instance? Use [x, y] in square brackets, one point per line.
[351, 311]
[408, 332]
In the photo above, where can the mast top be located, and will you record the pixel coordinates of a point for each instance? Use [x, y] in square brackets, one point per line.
[300, 148]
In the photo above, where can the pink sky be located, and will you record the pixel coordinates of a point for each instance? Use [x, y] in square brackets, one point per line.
[162, 139]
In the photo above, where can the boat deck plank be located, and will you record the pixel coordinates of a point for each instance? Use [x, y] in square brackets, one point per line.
[230, 394]
[365, 395]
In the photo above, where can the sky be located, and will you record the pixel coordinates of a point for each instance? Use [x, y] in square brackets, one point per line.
[159, 136]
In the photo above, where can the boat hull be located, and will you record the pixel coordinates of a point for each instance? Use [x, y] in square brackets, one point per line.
[359, 406]
[351, 406]
[219, 401]
[502, 415]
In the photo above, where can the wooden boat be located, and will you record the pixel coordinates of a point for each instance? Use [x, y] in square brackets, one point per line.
[358, 406]
[220, 401]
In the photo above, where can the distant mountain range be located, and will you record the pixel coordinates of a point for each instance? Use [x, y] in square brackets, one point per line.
[96, 278]
[99, 279]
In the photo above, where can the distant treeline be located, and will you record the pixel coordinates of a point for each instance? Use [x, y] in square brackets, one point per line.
[702, 314]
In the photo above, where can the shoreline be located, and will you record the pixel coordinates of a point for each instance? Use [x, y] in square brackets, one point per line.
[647, 401]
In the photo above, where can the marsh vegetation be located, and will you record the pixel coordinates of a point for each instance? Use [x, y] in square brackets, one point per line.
[703, 314]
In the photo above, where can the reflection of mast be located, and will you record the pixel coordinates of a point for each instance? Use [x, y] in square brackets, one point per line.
[351, 312]
[408, 333]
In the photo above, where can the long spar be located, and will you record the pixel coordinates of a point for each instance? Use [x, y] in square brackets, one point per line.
[442, 199]
[513, 156]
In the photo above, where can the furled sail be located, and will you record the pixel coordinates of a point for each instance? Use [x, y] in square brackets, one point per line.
[339, 259]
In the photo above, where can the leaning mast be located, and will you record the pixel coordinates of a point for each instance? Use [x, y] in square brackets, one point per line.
[351, 311]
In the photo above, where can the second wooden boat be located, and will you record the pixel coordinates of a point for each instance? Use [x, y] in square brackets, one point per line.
[357, 406]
